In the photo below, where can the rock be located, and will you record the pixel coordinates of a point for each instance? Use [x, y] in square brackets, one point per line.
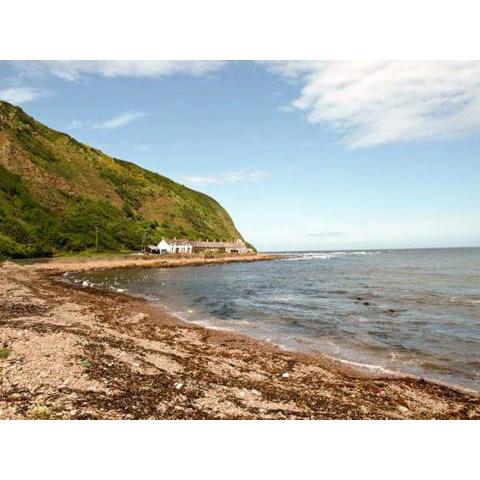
[403, 409]
[178, 385]
[256, 392]
[85, 283]
[285, 375]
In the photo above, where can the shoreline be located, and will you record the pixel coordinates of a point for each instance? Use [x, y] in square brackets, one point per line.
[347, 366]
[234, 376]
[351, 367]
[71, 264]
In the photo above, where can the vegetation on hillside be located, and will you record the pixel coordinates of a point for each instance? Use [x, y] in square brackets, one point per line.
[56, 194]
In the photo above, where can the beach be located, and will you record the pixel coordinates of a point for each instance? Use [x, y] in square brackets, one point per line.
[69, 352]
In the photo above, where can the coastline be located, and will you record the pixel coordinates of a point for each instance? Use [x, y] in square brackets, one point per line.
[124, 358]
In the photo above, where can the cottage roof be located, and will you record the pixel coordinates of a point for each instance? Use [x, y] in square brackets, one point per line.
[207, 244]
[177, 242]
[180, 242]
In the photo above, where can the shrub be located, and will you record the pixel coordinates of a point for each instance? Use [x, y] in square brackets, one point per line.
[41, 412]
[4, 353]
[86, 364]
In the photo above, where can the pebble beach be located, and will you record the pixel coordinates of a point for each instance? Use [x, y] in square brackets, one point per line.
[70, 352]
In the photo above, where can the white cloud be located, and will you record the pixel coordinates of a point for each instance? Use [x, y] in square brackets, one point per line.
[76, 125]
[119, 121]
[223, 178]
[113, 123]
[73, 70]
[20, 94]
[375, 103]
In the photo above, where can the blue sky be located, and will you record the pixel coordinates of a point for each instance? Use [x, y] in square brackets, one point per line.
[304, 155]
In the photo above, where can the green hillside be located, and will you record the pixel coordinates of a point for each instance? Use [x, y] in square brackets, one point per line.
[55, 191]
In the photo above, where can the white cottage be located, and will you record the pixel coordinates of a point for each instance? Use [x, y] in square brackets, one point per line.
[172, 246]
[238, 246]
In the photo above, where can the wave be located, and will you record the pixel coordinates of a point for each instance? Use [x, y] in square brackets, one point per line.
[465, 300]
[328, 255]
[99, 285]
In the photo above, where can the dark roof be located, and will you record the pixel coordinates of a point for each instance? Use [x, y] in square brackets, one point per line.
[207, 244]
[180, 242]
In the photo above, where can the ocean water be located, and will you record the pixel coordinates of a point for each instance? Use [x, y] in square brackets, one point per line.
[409, 311]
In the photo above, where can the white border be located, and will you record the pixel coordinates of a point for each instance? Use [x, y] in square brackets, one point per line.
[242, 449]
[214, 29]
[247, 29]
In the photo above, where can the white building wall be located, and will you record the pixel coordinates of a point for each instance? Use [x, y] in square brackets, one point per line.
[165, 247]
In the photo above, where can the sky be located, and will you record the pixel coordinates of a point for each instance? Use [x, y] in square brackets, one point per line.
[304, 155]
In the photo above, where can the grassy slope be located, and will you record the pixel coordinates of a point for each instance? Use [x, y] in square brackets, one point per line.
[54, 191]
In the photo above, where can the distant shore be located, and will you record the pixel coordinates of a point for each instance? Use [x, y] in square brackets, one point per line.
[68, 264]
[70, 352]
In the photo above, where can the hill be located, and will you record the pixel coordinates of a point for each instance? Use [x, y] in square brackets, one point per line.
[55, 192]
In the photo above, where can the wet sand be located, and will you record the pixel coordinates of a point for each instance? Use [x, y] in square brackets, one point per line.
[70, 352]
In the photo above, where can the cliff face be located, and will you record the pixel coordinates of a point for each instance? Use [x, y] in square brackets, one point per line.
[55, 191]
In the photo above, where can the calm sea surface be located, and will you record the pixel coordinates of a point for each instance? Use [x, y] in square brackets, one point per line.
[413, 311]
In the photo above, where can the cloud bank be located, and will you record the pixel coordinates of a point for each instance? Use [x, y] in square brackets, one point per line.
[118, 121]
[374, 103]
[73, 70]
[454, 230]
[223, 178]
[361, 104]
[18, 95]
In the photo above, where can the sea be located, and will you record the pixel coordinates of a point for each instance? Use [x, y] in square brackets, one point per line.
[413, 311]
